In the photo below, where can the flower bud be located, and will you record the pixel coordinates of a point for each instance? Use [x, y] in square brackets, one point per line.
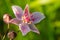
[6, 18]
[11, 35]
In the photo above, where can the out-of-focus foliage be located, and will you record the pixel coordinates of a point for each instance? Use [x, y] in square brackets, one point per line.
[49, 27]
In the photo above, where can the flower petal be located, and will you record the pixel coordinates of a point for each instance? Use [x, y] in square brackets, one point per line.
[33, 28]
[15, 21]
[26, 13]
[24, 29]
[17, 11]
[37, 17]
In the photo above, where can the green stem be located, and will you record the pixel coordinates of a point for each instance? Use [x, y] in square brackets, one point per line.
[6, 33]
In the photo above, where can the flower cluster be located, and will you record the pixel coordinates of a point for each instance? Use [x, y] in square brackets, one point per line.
[25, 20]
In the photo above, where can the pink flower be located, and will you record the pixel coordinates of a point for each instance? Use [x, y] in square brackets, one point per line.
[25, 20]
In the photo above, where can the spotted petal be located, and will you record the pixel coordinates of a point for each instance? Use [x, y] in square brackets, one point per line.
[37, 17]
[26, 13]
[15, 21]
[33, 28]
[24, 29]
[17, 11]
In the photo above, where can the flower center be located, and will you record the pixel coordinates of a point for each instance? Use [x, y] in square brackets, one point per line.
[26, 20]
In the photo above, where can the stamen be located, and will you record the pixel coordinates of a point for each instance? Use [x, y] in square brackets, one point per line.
[30, 22]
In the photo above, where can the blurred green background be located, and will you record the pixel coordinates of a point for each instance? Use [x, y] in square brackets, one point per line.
[49, 27]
